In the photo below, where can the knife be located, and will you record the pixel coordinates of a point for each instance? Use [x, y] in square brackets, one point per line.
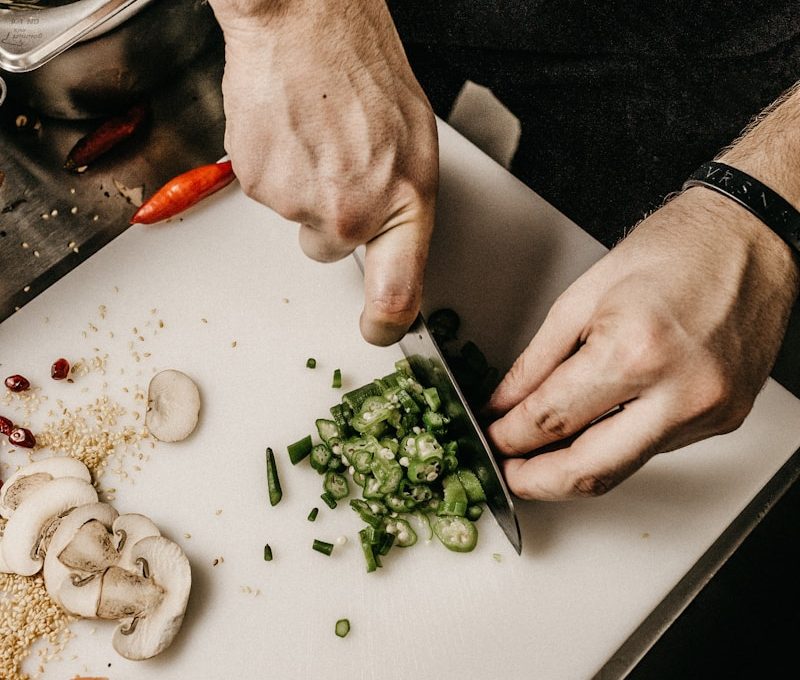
[428, 363]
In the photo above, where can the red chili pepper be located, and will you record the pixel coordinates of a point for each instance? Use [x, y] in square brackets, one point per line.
[184, 191]
[104, 138]
[17, 383]
[60, 369]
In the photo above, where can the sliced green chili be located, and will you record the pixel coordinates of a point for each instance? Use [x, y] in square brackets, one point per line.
[312, 516]
[472, 486]
[342, 628]
[311, 362]
[300, 449]
[456, 533]
[336, 485]
[273, 482]
[337, 378]
[369, 554]
[267, 553]
[322, 546]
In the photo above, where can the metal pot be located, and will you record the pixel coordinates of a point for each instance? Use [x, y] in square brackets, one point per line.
[119, 62]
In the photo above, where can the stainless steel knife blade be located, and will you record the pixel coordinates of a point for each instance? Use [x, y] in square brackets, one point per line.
[428, 363]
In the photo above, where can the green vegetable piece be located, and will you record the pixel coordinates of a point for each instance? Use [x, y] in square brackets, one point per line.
[456, 533]
[359, 478]
[474, 512]
[320, 458]
[329, 500]
[341, 415]
[455, 497]
[366, 513]
[472, 486]
[267, 553]
[386, 543]
[431, 395]
[311, 362]
[342, 628]
[312, 516]
[407, 402]
[388, 472]
[336, 383]
[366, 548]
[426, 522]
[372, 489]
[322, 546]
[401, 366]
[354, 399]
[427, 447]
[373, 410]
[420, 471]
[435, 422]
[404, 535]
[299, 450]
[336, 485]
[273, 482]
[444, 324]
[328, 429]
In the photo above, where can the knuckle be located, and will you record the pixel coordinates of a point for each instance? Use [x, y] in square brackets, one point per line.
[593, 484]
[395, 308]
[644, 351]
[549, 420]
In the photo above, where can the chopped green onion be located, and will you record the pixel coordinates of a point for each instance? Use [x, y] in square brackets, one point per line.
[497, 557]
[342, 628]
[267, 553]
[300, 449]
[311, 362]
[337, 378]
[329, 500]
[312, 516]
[322, 546]
[273, 482]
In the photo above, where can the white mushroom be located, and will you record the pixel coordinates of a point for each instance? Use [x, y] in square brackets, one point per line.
[29, 478]
[23, 532]
[78, 589]
[126, 594]
[150, 632]
[173, 406]
[129, 529]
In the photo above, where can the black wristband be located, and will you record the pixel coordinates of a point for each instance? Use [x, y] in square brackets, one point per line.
[768, 206]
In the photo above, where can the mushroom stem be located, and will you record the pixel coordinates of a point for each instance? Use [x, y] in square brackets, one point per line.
[125, 594]
[90, 549]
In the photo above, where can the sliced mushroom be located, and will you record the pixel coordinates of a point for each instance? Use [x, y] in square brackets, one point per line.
[90, 549]
[29, 478]
[77, 590]
[173, 406]
[24, 529]
[149, 633]
[129, 529]
[126, 594]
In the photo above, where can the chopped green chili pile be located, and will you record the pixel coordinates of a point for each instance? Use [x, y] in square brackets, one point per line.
[390, 439]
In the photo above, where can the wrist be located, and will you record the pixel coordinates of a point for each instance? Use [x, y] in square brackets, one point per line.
[732, 228]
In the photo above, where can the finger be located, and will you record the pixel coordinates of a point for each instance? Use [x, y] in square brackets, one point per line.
[603, 456]
[394, 268]
[579, 391]
[321, 246]
[557, 338]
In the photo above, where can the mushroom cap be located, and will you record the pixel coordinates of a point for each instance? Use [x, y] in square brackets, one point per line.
[79, 600]
[26, 524]
[173, 406]
[155, 630]
[129, 529]
[25, 480]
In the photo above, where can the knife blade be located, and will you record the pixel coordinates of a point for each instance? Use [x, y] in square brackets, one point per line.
[428, 363]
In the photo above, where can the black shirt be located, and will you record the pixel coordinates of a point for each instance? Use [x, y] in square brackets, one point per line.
[619, 101]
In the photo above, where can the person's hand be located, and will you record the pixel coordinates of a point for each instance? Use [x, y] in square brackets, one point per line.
[679, 324]
[327, 125]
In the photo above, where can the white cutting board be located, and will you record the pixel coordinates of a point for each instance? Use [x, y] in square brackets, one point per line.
[590, 571]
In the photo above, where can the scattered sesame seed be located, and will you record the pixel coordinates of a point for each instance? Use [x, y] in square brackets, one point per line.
[74, 209]
[36, 253]
[54, 213]
[26, 289]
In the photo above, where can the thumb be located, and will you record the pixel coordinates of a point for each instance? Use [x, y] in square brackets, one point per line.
[394, 269]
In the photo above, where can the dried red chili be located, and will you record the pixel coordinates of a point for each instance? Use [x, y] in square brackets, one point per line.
[60, 369]
[105, 137]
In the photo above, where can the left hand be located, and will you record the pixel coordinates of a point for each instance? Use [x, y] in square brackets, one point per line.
[680, 325]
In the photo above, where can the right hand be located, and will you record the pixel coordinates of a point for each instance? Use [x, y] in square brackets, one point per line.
[327, 126]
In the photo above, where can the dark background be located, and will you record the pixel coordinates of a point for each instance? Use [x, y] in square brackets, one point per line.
[618, 104]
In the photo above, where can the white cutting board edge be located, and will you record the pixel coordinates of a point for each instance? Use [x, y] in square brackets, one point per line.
[591, 570]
